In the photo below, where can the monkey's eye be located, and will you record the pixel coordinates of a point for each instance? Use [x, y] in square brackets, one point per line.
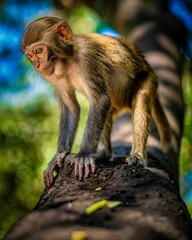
[29, 55]
[38, 50]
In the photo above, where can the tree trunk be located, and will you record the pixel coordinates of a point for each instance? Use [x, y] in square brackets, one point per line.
[136, 203]
[150, 208]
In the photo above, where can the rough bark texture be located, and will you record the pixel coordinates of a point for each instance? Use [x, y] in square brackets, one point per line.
[150, 204]
[151, 207]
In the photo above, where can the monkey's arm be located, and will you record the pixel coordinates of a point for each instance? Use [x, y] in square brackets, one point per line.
[84, 161]
[69, 119]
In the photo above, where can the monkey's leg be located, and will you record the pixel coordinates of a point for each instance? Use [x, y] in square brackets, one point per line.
[162, 124]
[141, 124]
[84, 161]
[67, 129]
[104, 150]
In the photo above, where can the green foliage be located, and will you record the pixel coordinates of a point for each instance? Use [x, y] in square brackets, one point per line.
[83, 19]
[186, 150]
[28, 139]
[25, 134]
[83, 117]
[185, 165]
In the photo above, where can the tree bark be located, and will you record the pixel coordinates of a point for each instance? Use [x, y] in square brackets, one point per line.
[149, 205]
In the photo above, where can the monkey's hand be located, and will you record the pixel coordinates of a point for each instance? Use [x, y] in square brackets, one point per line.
[134, 161]
[83, 165]
[55, 164]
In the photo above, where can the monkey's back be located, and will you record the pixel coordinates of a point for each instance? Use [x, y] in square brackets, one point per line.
[114, 66]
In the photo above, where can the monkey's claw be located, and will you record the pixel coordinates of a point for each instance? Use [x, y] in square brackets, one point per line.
[48, 176]
[83, 166]
[133, 161]
[55, 164]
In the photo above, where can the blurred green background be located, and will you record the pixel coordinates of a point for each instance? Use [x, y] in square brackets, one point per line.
[29, 114]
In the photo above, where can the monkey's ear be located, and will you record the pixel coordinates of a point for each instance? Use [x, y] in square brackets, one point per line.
[64, 31]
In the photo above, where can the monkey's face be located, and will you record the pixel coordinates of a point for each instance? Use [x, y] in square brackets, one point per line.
[48, 64]
[47, 42]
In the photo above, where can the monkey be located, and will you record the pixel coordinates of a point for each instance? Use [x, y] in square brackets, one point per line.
[112, 74]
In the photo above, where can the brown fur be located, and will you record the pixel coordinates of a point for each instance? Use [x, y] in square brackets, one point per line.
[111, 73]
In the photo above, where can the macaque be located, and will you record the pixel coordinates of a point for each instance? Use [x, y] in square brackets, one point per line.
[112, 74]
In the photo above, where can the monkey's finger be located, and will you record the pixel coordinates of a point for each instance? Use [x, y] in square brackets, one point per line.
[44, 180]
[81, 168]
[76, 169]
[135, 161]
[93, 166]
[60, 159]
[44, 177]
[48, 178]
[72, 162]
[87, 169]
[60, 162]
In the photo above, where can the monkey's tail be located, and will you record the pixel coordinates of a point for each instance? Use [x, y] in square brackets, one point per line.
[162, 125]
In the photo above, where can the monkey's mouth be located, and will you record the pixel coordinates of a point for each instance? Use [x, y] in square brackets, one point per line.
[46, 69]
[46, 66]
[51, 68]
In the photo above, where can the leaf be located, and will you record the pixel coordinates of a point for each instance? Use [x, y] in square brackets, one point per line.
[79, 235]
[113, 204]
[101, 204]
[95, 206]
[98, 189]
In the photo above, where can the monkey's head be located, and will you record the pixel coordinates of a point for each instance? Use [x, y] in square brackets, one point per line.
[47, 42]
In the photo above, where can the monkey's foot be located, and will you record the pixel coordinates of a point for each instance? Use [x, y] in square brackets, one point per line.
[82, 166]
[134, 161]
[55, 164]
